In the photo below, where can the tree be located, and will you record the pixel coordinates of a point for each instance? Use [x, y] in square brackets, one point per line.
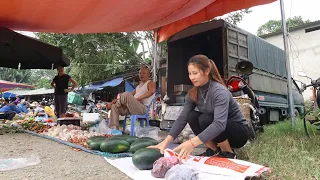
[237, 16]
[95, 57]
[42, 78]
[273, 26]
[14, 75]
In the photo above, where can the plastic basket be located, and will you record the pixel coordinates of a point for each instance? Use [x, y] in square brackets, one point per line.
[74, 98]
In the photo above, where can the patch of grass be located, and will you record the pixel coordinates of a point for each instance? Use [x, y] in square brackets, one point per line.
[287, 151]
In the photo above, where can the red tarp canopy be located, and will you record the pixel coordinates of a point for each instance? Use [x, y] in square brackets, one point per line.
[10, 85]
[98, 16]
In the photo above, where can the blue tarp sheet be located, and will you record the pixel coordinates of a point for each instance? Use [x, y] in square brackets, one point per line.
[8, 95]
[129, 87]
[113, 82]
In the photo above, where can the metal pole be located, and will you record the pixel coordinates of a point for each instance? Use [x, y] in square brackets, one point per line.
[286, 49]
[155, 59]
[155, 56]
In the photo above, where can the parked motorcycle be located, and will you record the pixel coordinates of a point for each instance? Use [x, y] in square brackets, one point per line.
[238, 86]
[315, 120]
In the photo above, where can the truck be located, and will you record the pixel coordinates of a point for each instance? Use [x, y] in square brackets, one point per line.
[227, 44]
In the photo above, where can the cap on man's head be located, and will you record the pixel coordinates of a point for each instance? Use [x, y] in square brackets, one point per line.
[43, 103]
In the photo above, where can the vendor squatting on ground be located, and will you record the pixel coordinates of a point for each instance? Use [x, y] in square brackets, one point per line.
[219, 123]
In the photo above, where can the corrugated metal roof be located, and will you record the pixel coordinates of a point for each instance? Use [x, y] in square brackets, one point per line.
[18, 91]
[40, 91]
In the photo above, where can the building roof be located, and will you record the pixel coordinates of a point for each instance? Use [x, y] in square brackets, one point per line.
[304, 26]
[40, 91]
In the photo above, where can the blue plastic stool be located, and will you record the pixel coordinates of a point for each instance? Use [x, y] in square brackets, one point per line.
[134, 118]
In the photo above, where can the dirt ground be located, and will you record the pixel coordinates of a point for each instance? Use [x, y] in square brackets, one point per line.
[57, 161]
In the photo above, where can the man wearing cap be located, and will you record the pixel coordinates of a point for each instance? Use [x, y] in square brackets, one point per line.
[61, 89]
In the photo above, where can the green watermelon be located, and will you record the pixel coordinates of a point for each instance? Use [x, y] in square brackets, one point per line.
[115, 146]
[144, 158]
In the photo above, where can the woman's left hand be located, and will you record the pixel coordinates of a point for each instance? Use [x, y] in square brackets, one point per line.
[185, 150]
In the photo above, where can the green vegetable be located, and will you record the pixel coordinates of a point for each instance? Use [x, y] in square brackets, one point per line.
[140, 144]
[128, 138]
[94, 138]
[95, 145]
[144, 158]
[114, 146]
[149, 139]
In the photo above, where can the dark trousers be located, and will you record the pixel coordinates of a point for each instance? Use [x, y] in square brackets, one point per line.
[60, 103]
[235, 133]
[7, 115]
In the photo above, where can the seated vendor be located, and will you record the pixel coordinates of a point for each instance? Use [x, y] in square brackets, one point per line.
[37, 109]
[47, 109]
[136, 102]
[8, 111]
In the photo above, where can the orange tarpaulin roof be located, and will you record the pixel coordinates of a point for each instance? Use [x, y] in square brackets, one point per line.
[97, 16]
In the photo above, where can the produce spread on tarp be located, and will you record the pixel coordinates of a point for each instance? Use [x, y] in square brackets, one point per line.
[130, 153]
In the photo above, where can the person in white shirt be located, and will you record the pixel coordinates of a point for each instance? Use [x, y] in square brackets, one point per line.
[136, 102]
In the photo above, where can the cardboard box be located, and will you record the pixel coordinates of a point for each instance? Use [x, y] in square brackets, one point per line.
[182, 87]
[180, 96]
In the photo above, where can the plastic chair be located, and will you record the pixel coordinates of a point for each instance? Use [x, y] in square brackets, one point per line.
[134, 117]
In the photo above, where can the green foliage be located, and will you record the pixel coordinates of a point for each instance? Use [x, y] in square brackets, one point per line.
[237, 16]
[96, 57]
[286, 150]
[14, 75]
[276, 25]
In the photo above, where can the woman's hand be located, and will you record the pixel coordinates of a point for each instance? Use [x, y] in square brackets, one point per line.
[185, 149]
[161, 146]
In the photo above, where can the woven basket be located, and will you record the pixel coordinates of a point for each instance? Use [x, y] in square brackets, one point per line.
[245, 109]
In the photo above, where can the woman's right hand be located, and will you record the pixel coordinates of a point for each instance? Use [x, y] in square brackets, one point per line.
[161, 146]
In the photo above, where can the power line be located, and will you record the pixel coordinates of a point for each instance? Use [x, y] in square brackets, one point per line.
[91, 64]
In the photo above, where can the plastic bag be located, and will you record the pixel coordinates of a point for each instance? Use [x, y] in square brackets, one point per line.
[151, 132]
[102, 128]
[162, 165]
[17, 163]
[181, 172]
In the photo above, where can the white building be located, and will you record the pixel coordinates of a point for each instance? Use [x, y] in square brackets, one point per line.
[304, 45]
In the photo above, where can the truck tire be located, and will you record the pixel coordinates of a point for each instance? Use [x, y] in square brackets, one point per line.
[252, 133]
[296, 113]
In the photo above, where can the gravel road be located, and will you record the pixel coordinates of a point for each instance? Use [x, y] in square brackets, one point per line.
[57, 161]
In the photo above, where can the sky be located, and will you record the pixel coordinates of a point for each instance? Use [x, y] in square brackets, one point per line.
[308, 9]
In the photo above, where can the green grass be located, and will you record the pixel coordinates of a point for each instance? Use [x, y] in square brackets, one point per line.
[287, 151]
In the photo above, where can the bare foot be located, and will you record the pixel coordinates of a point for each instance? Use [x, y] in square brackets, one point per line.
[108, 106]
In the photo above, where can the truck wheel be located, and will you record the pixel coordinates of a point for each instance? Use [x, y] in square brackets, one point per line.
[252, 133]
[296, 113]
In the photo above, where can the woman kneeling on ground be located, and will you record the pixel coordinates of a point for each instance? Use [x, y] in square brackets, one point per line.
[219, 123]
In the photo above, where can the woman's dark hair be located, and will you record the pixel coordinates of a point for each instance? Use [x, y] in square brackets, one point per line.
[204, 64]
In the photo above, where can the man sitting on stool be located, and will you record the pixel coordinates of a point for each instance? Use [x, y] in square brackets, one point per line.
[136, 102]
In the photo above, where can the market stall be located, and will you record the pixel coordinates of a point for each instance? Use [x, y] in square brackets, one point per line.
[166, 19]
